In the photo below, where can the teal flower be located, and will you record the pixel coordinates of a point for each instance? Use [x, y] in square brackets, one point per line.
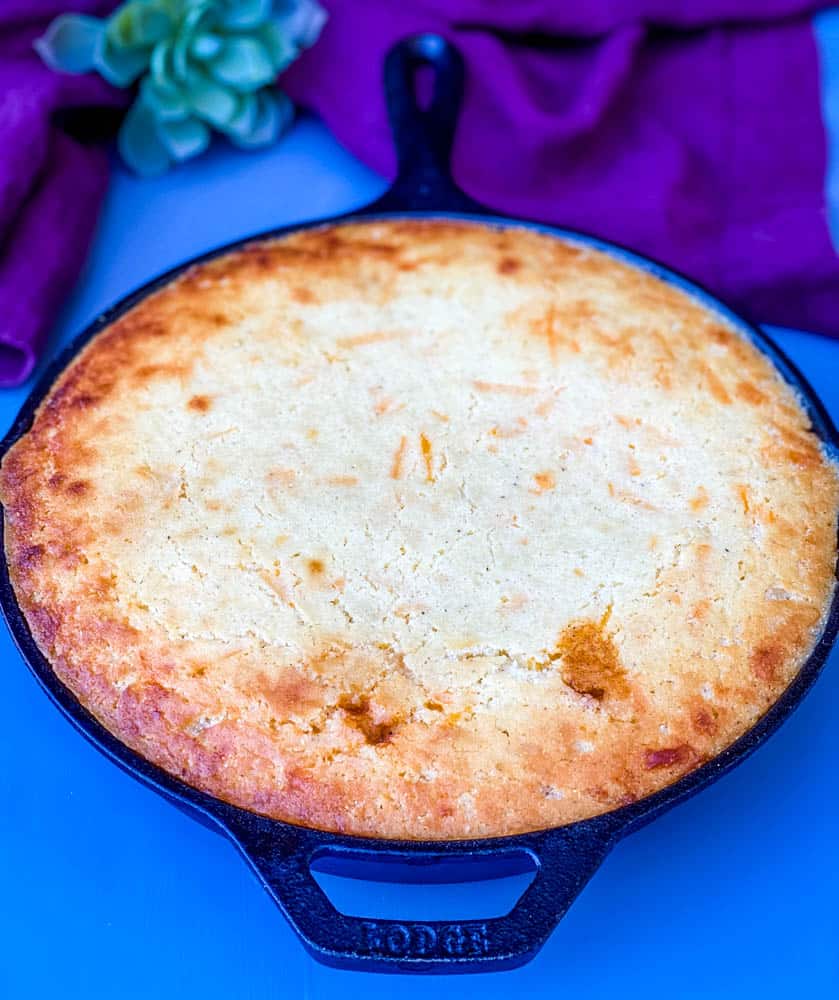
[200, 65]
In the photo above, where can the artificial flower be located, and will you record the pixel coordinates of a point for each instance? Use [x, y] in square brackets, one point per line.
[198, 65]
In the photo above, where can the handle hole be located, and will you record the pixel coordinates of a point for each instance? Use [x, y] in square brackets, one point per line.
[431, 889]
[424, 78]
[15, 363]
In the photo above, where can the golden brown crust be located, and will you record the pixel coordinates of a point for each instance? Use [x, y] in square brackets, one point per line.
[422, 530]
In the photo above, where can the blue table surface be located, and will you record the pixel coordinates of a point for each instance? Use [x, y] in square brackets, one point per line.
[110, 892]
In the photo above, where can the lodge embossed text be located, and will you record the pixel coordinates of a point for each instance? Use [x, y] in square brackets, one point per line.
[413, 940]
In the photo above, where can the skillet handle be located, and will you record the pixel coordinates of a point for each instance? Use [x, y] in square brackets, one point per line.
[565, 859]
[423, 136]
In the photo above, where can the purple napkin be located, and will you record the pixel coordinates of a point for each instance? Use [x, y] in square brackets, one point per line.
[689, 131]
[50, 186]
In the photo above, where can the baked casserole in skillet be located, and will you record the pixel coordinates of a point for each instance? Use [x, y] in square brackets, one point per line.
[423, 530]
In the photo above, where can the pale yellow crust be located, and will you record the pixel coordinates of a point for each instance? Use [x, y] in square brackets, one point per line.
[422, 530]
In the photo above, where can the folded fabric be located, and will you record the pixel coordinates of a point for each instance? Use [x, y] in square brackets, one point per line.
[50, 186]
[688, 131]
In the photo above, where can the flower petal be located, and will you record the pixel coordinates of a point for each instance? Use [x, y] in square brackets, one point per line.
[184, 139]
[205, 45]
[166, 103]
[300, 20]
[243, 122]
[200, 16]
[138, 24]
[210, 101]
[139, 142]
[275, 113]
[70, 42]
[180, 56]
[238, 14]
[119, 66]
[243, 64]
[161, 70]
[281, 50]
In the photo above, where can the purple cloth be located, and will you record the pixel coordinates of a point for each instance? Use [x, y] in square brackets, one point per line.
[50, 186]
[688, 131]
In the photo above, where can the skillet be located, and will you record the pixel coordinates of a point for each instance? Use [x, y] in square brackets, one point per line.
[281, 854]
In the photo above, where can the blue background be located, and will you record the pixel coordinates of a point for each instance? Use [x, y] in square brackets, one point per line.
[109, 892]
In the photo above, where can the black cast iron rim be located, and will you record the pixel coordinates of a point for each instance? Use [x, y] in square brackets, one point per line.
[281, 853]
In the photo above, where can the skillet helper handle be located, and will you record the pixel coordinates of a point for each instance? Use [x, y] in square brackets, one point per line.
[424, 136]
[565, 860]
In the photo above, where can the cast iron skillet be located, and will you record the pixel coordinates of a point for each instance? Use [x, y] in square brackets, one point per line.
[281, 854]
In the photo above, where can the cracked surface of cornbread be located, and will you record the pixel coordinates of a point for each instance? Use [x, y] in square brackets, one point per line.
[422, 529]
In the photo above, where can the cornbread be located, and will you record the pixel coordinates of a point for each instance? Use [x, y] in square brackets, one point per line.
[422, 529]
